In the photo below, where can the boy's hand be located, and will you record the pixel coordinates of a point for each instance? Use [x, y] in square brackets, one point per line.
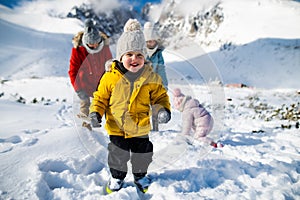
[163, 116]
[95, 119]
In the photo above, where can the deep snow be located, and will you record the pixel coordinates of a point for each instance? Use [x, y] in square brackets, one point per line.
[46, 154]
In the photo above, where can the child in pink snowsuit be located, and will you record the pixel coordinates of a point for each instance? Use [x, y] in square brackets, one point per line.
[194, 117]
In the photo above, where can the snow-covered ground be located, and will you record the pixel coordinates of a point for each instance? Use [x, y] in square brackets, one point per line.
[46, 154]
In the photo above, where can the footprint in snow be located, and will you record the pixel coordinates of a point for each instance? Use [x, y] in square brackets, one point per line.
[32, 131]
[59, 174]
[52, 173]
[30, 142]
[35, 131]
[7, 144]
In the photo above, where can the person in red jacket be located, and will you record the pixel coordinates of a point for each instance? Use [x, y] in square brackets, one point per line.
[87, 63]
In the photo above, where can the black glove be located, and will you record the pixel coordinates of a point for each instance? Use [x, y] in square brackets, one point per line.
[95, 119]
[163, 116]
[82, 95]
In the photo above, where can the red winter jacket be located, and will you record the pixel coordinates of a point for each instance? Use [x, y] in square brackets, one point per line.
[87, 69]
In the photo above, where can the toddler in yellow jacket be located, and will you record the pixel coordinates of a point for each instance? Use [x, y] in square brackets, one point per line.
[125, 95]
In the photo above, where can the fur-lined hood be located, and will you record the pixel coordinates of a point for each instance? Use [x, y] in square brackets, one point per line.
[77, 39]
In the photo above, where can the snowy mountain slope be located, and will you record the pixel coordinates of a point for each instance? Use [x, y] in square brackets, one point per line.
[265, 63]
[238, 22]
[274, 65]
[27, 53]
[246, 26]
[44, 16]
[46, 154]
[248, 20]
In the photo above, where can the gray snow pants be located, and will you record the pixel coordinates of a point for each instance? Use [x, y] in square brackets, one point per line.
[120, 150]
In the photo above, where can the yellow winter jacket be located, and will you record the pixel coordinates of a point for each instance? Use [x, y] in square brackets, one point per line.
[127, 106]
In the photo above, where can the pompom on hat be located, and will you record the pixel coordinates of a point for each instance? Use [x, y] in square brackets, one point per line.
[149, 32]
[132, 39]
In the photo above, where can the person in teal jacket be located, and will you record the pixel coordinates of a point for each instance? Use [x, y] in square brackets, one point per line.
[155, 57]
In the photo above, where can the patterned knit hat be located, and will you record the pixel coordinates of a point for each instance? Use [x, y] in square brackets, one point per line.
[132, 39]
[91, 33]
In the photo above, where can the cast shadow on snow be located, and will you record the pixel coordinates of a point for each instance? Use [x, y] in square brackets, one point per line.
[236, 138]
[242, 141]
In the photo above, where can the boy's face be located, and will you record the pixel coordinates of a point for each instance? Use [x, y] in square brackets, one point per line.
[151, 44]
[133, 61]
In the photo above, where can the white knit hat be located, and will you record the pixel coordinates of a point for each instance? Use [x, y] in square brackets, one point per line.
[132, 39]
[149, 32]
